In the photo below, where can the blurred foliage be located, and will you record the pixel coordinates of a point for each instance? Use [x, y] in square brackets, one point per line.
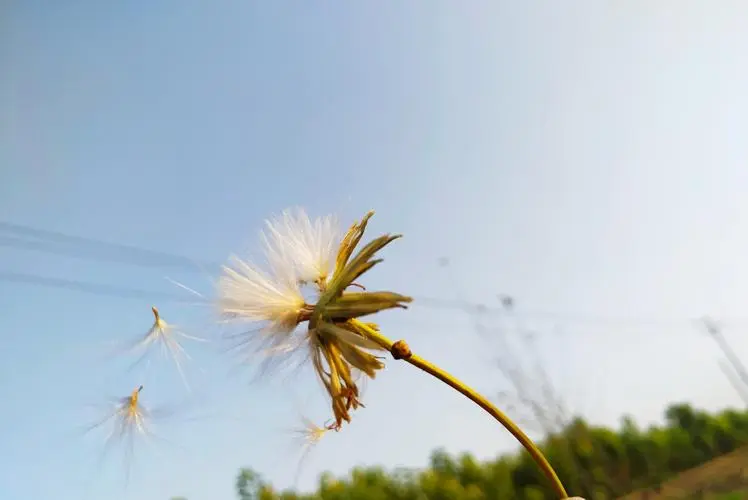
[594, 462]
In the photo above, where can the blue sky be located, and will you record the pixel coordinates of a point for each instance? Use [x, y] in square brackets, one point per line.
[590, 161]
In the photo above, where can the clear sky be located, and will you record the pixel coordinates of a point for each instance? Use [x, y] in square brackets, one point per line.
[588, 158]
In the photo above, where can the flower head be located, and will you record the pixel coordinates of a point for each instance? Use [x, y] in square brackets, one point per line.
[300, 251]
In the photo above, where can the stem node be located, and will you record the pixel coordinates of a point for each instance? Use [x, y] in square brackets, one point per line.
[401, 350]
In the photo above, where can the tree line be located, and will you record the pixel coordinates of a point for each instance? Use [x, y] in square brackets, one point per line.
[594, 462]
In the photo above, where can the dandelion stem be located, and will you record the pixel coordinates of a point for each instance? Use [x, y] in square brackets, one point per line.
[400, 350]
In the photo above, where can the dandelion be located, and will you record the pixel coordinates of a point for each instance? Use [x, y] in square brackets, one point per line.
[129, 420]
[311, 434]
[336, 341]
[299, 251]
[167, 336]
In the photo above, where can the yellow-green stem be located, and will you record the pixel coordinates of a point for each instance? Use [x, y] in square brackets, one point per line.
[400, 350]
[502, 418]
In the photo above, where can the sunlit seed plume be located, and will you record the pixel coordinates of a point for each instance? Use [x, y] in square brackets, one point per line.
[128, 419]
[133, 412]
[312, 433]
[128, 415]
[308, 246]
[251, 294]
[168, 337]
[298, 251]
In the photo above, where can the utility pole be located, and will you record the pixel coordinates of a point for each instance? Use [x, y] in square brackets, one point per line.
[715, 332]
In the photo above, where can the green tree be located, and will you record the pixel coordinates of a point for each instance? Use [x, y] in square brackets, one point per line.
[597, 463]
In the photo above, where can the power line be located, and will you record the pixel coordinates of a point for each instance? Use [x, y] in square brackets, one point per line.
[72, 246]
[130, 254]
[86, 248]
[479, 309]
[136, 293]
[92, 288]
[160, 296]
[118, 291]
[88, 254]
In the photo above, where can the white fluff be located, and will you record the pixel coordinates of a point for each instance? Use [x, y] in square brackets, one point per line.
[307, 246]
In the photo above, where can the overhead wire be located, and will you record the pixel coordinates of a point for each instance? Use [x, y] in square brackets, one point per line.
[42, 240]
[92, 288]
[480, 308]
[33, 239]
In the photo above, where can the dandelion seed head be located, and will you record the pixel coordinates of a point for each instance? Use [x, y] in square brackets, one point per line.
[301, 251]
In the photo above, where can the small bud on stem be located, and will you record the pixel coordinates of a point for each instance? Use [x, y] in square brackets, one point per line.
[401, 350]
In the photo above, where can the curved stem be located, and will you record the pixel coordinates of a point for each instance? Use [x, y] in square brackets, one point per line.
[400, 350]
[502, 418]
